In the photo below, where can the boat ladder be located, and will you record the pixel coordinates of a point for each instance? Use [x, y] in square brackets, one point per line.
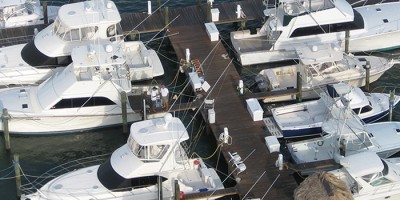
[197, 66]
[272, 128]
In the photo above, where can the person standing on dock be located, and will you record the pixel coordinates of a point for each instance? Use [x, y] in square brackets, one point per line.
[164, 97]
[154, 94]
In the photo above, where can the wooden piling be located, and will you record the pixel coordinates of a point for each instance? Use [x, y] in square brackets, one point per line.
[199, 3]
[367, 68]
[144, 110]
[166, 17]
[6, 129]
[299, 95]
[346, 41]
[158, 3]
[45, 16]
[242, 25]
[159, 185]
[177, 190]
[391, 105]
[17, 175]
[124, 112]
[209, 11]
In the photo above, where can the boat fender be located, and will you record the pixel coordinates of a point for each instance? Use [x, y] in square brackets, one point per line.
[320, 143]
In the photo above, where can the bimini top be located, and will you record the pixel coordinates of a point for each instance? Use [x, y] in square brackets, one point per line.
[83, 14]
[317, 54]
[7, 3]
[97, 55]
[363, 163]
[167, 130]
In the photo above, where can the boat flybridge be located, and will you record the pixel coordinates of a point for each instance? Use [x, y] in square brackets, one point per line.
[318, 66]
[369, 177]
[90, 22]
[154, 150]
[85, 95]
[306, 118]
[295, 23]
[16, 13]
[345, 134]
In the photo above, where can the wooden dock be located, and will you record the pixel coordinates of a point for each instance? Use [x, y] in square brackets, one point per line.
[230, 108]
[261, 179]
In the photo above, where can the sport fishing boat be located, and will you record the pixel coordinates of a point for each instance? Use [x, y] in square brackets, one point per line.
[149, 164]
[83, 23]
[84, 95]
[344, 134]
[368, 176]
[319, 66]
[295, 23]
[306, 118]
[16, 13]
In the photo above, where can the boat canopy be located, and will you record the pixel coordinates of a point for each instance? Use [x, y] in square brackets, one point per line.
[362, 164]
[161, 131]
[78, 15]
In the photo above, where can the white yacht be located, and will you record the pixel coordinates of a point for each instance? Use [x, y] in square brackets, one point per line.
[369, 177]
[306, 118]
[344, 134]
[85, 95]
[295, 23]
[321, 65]
[16, 13]
[89, 22]
[154, 149]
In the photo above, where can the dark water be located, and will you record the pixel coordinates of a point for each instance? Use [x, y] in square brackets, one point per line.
[39, 154]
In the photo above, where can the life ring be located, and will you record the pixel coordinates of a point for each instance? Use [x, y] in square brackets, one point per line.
[320, 143]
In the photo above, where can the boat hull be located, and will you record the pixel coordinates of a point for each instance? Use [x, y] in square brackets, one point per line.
[65, 124]
[313, 93]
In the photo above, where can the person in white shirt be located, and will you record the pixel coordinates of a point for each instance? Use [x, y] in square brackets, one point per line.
[153, 95]
[164, 97]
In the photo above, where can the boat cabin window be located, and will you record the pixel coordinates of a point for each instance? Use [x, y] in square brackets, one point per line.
[66, 34]
[82, 102]
[380, 181]
[110, 179]
[111, 31]
[366, 109]
[358, 23]
[377, 179]
[356, 110]
[147, 153]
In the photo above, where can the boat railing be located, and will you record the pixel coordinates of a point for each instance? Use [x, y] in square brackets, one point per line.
[38, 182]
[386, 89]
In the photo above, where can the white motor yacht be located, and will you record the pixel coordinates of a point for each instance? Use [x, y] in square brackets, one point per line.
[16, 13]
[321, 65]
[369, 177]
[344, 134]
[306, 118]
[295, 23]
[154, 151]
[84, 95]
[88, 22]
